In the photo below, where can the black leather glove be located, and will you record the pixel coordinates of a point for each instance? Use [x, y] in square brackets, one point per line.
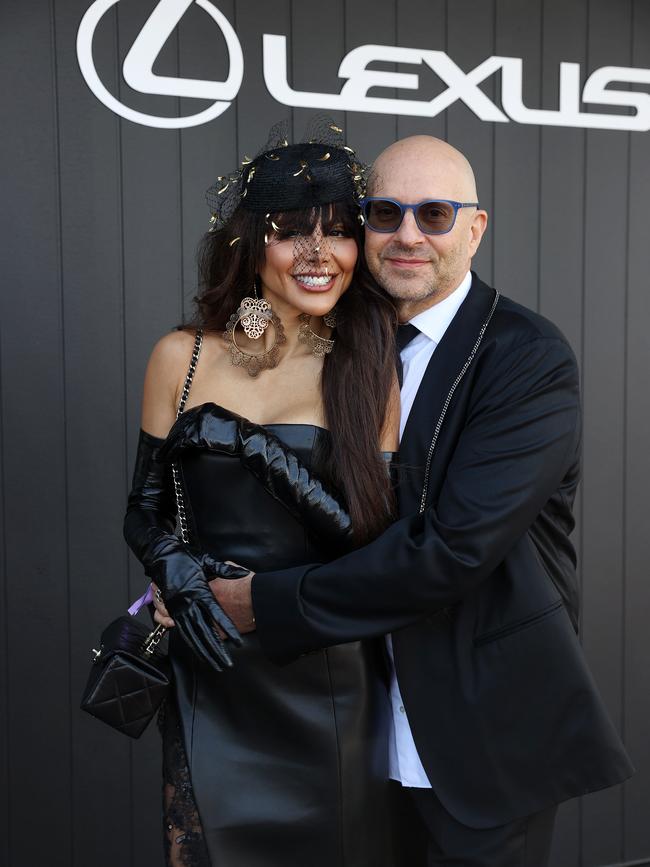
[181, 574]
[273, 463]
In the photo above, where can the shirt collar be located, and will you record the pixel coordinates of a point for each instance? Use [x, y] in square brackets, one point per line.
[434, 321]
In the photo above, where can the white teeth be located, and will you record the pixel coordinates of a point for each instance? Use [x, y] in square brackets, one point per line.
[310, 280]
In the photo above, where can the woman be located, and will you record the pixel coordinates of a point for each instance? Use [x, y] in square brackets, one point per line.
[289, 400]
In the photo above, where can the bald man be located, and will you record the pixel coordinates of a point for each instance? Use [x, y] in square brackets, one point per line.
[495, 716]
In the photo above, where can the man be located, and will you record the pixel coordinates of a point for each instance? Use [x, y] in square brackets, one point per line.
[496, 718]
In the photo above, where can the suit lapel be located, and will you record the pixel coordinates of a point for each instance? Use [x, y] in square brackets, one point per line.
[446, 362]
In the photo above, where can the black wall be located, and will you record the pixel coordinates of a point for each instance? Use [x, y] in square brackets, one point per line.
[98, 224]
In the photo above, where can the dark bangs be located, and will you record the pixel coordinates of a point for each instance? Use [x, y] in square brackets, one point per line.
[344, 213]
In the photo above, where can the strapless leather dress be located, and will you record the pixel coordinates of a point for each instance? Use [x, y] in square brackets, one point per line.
[287, 764]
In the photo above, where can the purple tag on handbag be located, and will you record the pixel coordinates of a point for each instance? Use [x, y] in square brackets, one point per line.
[141, 602]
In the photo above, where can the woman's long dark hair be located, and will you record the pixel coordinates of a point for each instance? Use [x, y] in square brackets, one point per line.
[358, 374]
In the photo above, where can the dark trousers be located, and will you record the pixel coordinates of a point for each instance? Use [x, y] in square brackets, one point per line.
[428, 836]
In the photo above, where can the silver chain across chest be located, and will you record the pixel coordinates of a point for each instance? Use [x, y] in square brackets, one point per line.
[455, 384]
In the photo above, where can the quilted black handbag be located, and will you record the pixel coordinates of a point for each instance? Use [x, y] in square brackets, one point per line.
[129, 676]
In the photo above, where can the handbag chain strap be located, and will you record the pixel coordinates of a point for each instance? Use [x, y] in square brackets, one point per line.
[154, 638]
[178, 491]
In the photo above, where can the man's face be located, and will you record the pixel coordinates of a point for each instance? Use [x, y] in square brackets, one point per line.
[415, 268]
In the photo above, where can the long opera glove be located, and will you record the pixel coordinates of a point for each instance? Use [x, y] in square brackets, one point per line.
[276, 467]
[179, 572]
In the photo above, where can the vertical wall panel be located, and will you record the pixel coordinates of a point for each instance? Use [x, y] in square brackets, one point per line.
[5, 801]
[425, 26]
[93, 345]
[604, 416]
[366, 22]
[152, 279]
[256, 109]
[33, 415]
[150, 169]
[207, 150]
[562, 177]
[637, 476]
[316, 57]
[561, 276]
[516, 159]
[565, 851]
[468, 46]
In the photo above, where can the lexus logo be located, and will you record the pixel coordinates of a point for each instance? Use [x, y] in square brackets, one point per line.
[138, 64]
[359, 80]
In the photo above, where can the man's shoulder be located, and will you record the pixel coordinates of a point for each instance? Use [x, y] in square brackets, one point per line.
[513, 325]
[525, 323]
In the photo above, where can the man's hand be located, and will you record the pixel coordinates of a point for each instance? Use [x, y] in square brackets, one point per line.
[234, 596]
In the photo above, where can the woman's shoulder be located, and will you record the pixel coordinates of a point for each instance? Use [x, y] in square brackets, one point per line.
[171, 355]
[166, 370]
[173, 347]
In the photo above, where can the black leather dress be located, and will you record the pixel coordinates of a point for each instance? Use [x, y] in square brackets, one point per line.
[287, 764]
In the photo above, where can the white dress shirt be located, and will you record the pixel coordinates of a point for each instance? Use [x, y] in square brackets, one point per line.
[404, 764]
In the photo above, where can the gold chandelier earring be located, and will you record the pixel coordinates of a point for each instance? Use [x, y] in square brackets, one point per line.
[320, 346]
[255, 315]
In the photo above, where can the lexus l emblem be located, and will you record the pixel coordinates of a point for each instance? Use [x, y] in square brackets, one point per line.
[138, 64]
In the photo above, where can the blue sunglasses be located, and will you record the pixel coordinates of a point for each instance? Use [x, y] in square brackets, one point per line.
[433, 216]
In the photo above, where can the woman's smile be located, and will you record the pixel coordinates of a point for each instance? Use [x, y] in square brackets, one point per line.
[314, 281]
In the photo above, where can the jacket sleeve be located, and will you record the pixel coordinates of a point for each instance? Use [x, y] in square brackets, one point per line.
[520, 438]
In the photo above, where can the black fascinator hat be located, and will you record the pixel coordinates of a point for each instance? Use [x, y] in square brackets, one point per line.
[287, 177]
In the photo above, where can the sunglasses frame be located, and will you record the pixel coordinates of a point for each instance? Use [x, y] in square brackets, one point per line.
[404, 208]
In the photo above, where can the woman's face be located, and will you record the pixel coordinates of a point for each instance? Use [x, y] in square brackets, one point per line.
[305, 270]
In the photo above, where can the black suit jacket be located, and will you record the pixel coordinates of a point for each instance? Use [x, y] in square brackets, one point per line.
[476, 580]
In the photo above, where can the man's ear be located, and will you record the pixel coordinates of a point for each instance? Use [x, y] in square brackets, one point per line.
[477, 230]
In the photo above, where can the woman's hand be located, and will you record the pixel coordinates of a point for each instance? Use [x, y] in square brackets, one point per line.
[233, 594]
[161, 615]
